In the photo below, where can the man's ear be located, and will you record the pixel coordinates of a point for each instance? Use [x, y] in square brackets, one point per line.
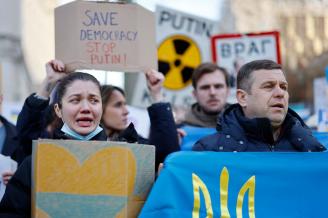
[241, 96]
[58, 110]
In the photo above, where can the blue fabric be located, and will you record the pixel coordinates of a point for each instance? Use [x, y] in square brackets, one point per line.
[322, 137]
[193, 134]
[286, 184]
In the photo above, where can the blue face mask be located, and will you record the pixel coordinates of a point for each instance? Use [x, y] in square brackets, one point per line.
[68, 131]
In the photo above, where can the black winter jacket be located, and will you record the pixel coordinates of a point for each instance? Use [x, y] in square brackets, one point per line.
[238, 133]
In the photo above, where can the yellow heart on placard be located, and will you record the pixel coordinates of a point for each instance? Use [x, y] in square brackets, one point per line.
[109, 171]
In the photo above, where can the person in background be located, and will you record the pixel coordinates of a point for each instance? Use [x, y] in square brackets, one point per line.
[115, 113]
[163, 132]
[261, 120]
[211, 90]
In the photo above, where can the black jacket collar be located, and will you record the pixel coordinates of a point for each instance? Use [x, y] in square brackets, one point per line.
[233, 122]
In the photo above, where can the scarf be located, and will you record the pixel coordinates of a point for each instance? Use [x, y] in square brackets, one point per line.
[197, 117]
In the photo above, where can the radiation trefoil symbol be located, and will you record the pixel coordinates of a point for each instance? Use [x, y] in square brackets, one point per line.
[178, 56]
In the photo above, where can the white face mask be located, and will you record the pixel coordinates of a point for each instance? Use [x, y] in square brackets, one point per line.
[68, 131]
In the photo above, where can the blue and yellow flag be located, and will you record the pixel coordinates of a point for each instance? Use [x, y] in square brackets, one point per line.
[210, 184]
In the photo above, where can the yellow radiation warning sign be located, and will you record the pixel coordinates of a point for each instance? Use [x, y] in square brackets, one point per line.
[178, 56]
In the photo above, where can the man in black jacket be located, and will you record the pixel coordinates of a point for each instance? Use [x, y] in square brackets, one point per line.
[261, 121]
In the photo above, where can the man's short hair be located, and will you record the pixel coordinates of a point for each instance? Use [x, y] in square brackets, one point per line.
[244, 76]
[206, 68]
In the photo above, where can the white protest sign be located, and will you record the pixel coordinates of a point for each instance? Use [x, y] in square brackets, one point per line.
[6, 165]
[183, 43]
[320, 98]
[140, 119]
[320, 94]
[232, 50]
[322, 120]
[105, 36]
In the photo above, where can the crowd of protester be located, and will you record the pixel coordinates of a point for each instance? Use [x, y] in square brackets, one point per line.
[73, 105]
